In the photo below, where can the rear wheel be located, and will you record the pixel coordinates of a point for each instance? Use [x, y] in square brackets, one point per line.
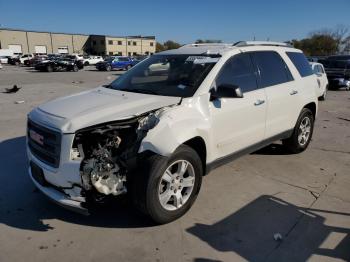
[86, 63]
[128, 67]
[108, 68]
[170, 185]
[75, 68]
[302, 132]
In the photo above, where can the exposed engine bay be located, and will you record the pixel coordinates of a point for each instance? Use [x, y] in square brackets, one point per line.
[109, 152]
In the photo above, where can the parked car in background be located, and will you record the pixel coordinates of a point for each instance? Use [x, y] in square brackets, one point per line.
[76, 57]
[322, 80]
[36, 59]
[154, 137]
[61, 64]
[117, 62]
[92, 60]
[25, 57]
[338, 71]
[0, 66]
[14, 60]
[4, 59]
[315, 58]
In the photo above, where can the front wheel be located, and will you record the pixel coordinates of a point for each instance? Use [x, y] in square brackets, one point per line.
[170, 185]
[75, 68]
[108, 68]
[302, 132]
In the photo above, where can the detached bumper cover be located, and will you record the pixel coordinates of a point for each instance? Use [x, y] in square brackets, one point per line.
[60, 198]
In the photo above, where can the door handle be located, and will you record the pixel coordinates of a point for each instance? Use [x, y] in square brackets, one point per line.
[294, 92]
[259, 102]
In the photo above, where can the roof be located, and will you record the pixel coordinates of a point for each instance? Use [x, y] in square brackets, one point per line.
[219, 48]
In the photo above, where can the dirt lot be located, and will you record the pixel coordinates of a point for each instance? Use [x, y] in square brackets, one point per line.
[305, 198]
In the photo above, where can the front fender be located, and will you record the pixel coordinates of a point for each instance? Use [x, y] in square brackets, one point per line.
[176, 127]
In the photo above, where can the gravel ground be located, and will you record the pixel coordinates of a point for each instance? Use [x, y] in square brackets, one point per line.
[266, 206]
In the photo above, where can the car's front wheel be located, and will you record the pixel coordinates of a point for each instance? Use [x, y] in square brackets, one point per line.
[302, 132]
[108, 68]
[169, 186]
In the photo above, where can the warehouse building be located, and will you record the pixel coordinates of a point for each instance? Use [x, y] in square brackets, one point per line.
[36, 42]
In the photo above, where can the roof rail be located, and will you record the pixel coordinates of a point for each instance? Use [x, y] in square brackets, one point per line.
[207, 44]
[261, 43]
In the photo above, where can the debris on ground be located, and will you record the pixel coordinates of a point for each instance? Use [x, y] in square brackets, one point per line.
[277, 237]
[19, 102]
[77, 82]
[14, 89]
[345, 119]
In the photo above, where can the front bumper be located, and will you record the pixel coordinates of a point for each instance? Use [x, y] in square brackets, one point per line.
[59, 197]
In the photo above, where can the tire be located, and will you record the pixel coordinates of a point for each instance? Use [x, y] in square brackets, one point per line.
[49, 68]
[323, 97]
[128, 67]
[86, 63]
[108, 68]
[147, 187]
[75, 68]
[294, 144]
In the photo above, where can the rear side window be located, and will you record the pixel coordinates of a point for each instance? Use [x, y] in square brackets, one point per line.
[238, 71]
[301, 63]
[273, 70]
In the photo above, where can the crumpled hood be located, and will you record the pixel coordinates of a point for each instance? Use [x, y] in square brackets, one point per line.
[96, 106]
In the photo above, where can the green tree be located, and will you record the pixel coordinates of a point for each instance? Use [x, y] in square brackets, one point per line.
[171, 45]
[203, 41]
[159, 47]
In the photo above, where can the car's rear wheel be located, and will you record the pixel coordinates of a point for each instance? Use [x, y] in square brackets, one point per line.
[128, 67]
[170, 186]
[302, 132]
[86, 63]
[108, 68]
[75, 68]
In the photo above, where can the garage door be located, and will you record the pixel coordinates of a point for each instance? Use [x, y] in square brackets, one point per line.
[63, 50]
[17, 49]
[40, 49]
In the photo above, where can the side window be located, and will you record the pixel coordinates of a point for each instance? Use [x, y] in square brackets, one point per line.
[301, 63]
[315, 69]
[273, 70]
[238, 71]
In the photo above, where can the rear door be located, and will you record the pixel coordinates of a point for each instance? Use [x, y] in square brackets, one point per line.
[238, 123]
[281, 92]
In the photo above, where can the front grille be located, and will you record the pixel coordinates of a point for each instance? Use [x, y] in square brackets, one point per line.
[48, 149]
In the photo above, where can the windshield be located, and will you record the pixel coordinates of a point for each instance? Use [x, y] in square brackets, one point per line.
[167, 75]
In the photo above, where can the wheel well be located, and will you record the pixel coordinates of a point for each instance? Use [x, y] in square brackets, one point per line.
[198, 144]
[312, 107]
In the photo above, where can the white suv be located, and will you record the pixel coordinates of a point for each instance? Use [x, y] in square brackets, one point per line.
[154, 134]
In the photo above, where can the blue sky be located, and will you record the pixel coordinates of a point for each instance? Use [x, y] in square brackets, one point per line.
[181, 20]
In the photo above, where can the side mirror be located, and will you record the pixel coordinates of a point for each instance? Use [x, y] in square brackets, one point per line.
[226, 91]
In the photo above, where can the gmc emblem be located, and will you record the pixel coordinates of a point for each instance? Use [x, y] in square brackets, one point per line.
[36, 137]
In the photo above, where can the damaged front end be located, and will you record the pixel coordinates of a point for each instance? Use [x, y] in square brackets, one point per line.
[109, 153]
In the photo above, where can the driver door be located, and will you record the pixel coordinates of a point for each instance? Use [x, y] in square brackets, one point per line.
[238, 123]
